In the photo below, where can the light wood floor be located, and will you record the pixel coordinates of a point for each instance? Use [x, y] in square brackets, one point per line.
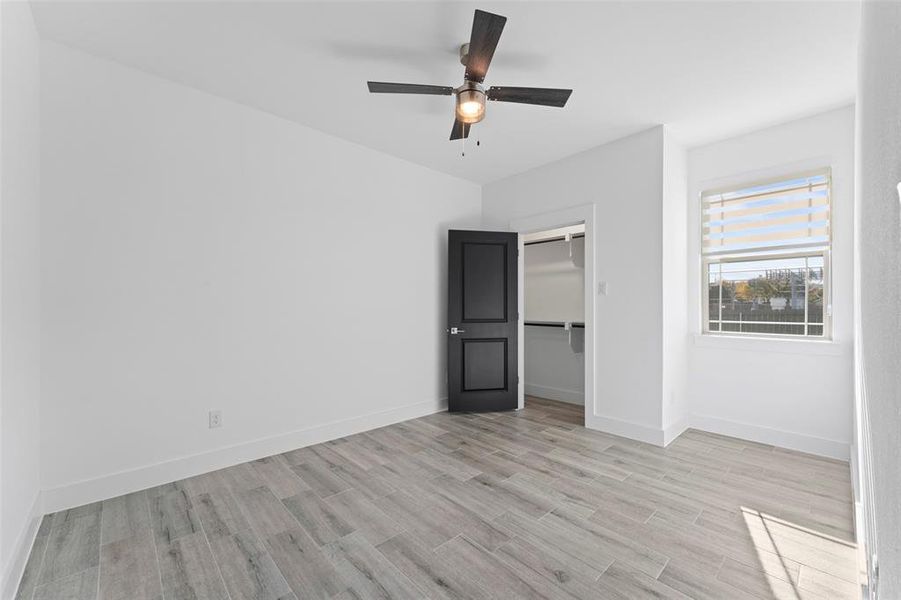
[524, 504]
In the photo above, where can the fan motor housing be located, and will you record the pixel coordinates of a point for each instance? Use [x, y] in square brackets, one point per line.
[470, 85]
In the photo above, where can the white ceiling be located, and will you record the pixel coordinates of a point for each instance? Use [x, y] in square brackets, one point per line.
[709, 70]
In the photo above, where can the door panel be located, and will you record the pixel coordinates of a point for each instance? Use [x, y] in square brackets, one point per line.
[484, 365]
[484, 292]
[482, 321]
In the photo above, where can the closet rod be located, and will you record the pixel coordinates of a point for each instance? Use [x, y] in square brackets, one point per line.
[554, 239]
[559, 324]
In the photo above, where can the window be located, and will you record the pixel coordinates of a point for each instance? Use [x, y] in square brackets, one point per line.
[765, 258]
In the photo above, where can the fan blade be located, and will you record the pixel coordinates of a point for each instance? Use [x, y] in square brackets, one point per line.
[524, 95]
[380, 87]
[486, 32]
[460, 130]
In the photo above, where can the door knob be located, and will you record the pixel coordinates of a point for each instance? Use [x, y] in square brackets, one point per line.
[455, 331]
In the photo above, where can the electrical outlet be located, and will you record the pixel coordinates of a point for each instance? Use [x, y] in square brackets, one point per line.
[215, 419]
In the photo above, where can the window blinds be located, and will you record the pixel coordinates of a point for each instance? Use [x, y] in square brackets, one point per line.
[786, 215]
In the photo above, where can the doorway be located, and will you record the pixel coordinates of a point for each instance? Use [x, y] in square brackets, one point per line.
[546, 344]
[554, 316]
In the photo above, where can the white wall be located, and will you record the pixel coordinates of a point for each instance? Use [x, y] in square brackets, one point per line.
[19, 290]
[198, 254]
[791, 393]
[553, 284]
[554, 291]
[879, 284]
[674, 288]
[624, 180]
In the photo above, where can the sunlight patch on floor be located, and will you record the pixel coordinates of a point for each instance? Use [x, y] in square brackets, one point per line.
[796, 562]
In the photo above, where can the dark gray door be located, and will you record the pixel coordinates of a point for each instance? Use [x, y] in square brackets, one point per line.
[481, 321]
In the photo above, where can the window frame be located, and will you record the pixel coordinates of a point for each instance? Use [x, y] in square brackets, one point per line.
[749, 256]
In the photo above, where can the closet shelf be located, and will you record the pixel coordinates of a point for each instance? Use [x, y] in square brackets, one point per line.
[560, 324]
[559, 238]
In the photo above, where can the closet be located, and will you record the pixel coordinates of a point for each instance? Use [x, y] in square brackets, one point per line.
[554, 285]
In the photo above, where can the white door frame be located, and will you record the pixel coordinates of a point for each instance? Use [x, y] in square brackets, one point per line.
[552, 220]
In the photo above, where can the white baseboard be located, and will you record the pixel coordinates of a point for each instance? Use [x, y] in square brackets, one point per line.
[125, 482]
[675, 430]
[754, 433]
[775, 437]
[627, 429]
[15, 567]
[553, 393]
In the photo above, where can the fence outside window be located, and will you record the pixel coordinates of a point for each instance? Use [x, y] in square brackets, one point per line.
[765, 256]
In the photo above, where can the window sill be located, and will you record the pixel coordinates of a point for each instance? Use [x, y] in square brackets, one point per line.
[770, 344]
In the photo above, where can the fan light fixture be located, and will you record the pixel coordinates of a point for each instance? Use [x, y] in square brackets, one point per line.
[470, 104]
[471, 97]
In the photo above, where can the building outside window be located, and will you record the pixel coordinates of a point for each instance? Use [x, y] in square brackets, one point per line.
[765, 256]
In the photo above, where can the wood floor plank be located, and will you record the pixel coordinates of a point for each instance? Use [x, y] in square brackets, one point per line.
[764, 586]
[124, 517]
[492, 574]
[488, 462]
[73, 547]
[78, 586]
[447, 464]
[247, 568]
[522, 504]
[622, 582]
[600, 463]
[172, 516]
[304, 565]
[277, 475]
[319, 519]
[541, 534]
[699, 582]
[467, 522]
[434, 576]
[354, 450]
[574, 577]
[430, 529]
[670, 540]
[266, 513]
[826, 584]
[236, 479]
[355, 509]
[625, 548]
[64, 516]
[402, 441]
[367, 572]
[436, 519]
[478, 499]
[789, 542]
[129, 568]
[220, 513]
[513, 495]
[372, 483]
[317, 475]
[189, 571]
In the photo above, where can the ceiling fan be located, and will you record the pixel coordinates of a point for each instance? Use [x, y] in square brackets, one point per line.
[472, 95]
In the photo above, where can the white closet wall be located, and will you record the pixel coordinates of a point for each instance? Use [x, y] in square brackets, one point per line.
[554, 291]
